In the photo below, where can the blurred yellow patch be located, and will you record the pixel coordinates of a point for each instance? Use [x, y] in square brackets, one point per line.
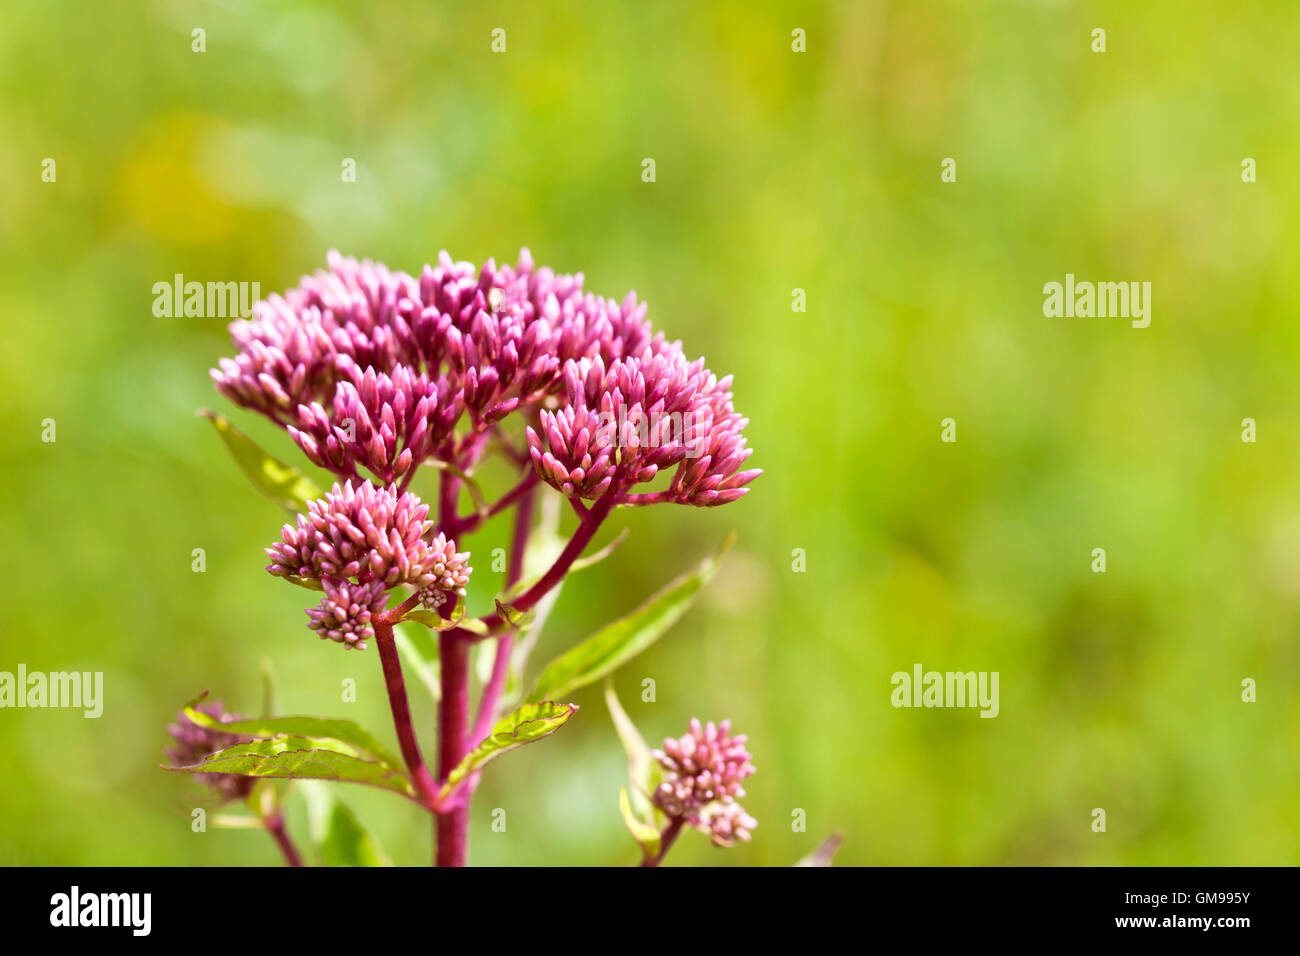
[161, 188]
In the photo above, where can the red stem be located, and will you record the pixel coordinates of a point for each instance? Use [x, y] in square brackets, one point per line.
[274, 824]
[666, 841]
[453, 721]
[581, 538]
[456, 527]
[424, 785]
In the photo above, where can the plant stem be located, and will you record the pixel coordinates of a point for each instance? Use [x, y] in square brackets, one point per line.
[572, 551]
[587, 529]
[420, 775]
[666, 840]
[456, 527]
[274, 824]
[453, 726]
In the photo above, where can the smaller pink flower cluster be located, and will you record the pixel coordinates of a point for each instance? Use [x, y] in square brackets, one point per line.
[358, 542]
[451, 572]
[645, 414]
[701, 784]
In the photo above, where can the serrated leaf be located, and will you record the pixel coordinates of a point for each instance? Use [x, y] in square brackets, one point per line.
[300, 758]
[285, 485]
[617, 643]
[647, 836]
[345, 732]
[336, 832]
[526, 725]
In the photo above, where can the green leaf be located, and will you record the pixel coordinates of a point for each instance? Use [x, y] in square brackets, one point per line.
[336, 832]
[518, 620]
[309, 583]
[430, 619]
[473, 625]
[640, 765]
[299, 758]
[350, 734]
[617, 643]
[283, 484]
[436, 622]
[644, 834]
[529, 723]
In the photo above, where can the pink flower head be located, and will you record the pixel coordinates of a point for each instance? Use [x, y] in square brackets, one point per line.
[385, 423]
[497, 342]
[288, 351]
[371, 369]
[361, 533]
[504, 359]
[193, 743]
[344, 614]
[588, 325]
[703, 767]
[712, 474]
[644, 414]
[504, 333]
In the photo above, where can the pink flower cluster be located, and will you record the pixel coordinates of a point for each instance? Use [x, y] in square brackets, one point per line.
[358, 542]
[373, 369]
[644, 414]
[703, 771]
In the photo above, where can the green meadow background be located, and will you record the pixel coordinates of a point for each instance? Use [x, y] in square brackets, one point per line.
[776, 171]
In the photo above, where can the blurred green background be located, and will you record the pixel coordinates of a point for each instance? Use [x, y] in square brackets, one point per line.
[776, 170]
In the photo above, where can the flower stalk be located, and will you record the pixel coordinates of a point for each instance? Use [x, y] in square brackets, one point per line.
[274, 824]
[672, 830]
[453, 728]
[396, 686]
